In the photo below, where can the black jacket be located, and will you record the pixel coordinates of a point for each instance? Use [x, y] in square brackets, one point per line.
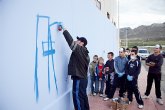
[79, 60]
[110, 64]
[158, 60]
[133, 68]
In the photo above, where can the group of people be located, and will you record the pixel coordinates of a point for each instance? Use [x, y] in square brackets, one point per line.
[122, 72]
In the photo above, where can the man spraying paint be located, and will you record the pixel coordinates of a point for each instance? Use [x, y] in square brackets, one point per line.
[77, 68]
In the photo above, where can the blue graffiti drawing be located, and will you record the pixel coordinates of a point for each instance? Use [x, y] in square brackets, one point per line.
[46, 53]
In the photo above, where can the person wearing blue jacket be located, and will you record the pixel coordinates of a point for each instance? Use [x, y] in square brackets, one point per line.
[133, 68]
[120, 76]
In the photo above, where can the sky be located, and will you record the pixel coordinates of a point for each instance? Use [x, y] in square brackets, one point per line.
[133, 13]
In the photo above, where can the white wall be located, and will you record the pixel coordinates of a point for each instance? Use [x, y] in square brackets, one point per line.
[18, 22]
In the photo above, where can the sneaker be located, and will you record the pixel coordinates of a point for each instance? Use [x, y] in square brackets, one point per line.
[145, 97]
[101, 95]
[129, 102]
[94, 94]
[105, 99]
[160, 101]
[140, 106]
[104, 96]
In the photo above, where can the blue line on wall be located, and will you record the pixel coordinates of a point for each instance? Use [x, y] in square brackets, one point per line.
[52, 59]
[41, 16]
[54, 24]
[49, 52]
[36, 64]
[48, 60]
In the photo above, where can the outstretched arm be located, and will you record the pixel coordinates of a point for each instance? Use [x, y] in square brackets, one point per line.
[72, 44]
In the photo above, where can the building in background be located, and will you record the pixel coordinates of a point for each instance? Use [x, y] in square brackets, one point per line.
[110, 9]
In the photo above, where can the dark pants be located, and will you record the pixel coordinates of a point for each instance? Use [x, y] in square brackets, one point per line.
[108, 85]
[80, 98]
[157, 79]
[92, 82]
[132, 87]
[121, 81]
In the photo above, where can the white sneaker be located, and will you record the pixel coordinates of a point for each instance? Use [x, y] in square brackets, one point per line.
[129, 102]
[94, 94]
[160, 101]
[105, 99]
[145, 97]
[101, 95]
[140, 106]
[104, 96]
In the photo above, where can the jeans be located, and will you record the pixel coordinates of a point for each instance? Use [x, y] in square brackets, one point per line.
[92, 82]
[80, 99]
[97, 86]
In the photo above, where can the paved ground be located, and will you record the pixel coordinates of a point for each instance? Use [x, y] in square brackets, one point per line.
[97, 103]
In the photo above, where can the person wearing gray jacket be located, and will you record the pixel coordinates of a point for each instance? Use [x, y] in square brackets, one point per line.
[120, 76]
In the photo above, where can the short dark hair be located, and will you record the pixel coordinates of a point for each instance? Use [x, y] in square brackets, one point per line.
[135, 47]
[111, 53]
[127, 49]
[135, 51]
[160, 46]
[95, 56]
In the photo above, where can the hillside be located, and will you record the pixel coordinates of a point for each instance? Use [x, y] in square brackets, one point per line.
[144, 32]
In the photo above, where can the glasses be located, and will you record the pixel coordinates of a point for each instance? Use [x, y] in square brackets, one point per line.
[121, 52]
[132, 54]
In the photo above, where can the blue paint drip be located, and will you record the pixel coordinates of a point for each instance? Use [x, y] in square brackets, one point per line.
[48, 60]
[36, 65]
[53, 62]
[36, 77]
[43, 47]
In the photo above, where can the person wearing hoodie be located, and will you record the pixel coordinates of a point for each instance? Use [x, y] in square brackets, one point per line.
[134, 48]
[78, 68]
[133, 68]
